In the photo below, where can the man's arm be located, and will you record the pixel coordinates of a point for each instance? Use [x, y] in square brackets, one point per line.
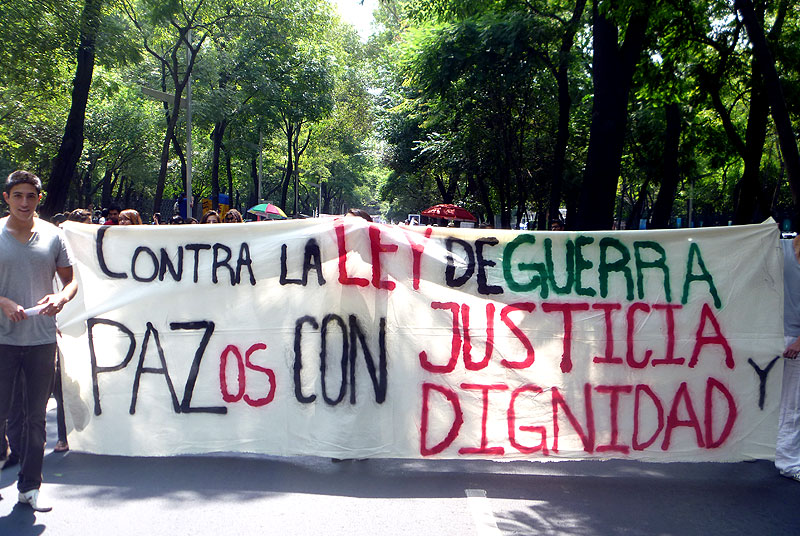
[55, 302]
[13, 310]
[793, 350]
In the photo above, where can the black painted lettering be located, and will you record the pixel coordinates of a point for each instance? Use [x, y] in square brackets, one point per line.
[244, 260]
[284, 280]
[197, 248]
[762, 379]
[323, 358]
[377, 374]
[141, 369]
[450, 271]
[298, 359]
[101, 259]
[90, 324]
[166, 265]
[312, 260]
[483, 287]
[153, 260]
[220, 262]
[186, 403]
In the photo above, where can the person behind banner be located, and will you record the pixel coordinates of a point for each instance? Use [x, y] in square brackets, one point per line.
[130, 216]
[233, 216]
[787, 447]
[212, 216]
[32, 252]
[113, 215]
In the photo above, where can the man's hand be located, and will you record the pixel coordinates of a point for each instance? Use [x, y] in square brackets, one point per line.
[13, 311]
[793, 350]
[53, 304]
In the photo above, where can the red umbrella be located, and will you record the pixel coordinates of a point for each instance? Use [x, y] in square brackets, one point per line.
[449, 212]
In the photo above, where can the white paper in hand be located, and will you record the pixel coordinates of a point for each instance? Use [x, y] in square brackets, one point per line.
[30, 311]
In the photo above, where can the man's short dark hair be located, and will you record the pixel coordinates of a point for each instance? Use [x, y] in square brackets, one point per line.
[114, 206]
[23, 177]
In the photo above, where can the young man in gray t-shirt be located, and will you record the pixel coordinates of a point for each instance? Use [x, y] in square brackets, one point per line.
[32, 252]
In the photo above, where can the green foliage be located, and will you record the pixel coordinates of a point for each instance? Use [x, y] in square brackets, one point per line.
[453, 100]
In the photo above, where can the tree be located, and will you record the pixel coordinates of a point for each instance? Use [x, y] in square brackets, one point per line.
[766, 64]
[72, 143]
[613, 67]
[165, 29]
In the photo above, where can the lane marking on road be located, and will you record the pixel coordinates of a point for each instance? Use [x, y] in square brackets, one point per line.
[482, 515]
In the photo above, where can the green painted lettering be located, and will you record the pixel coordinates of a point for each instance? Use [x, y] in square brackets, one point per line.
[704, 275]
[539, 279]
[641, 265]
[569, 258]
[582, 264]
[619, 265]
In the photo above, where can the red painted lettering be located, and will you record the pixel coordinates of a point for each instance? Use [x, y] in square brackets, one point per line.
[223, 376]
[344, 279]
[608, 309]
[669, 318]
[512, 423]
[614, 391]
[458, 419]
[416, 254]
[707, 315]
[377, 248]
[455, 347]
[566, 309]
[711, 385]
[504, 312]
[674, 422]
[484, 448]
[487, 355]
[630, 357]
[587, 437]
[639, 445]
[258, 402]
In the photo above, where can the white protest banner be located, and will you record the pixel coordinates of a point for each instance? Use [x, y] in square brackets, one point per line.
[337, 337]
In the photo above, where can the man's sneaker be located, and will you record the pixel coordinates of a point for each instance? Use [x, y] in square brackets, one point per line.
[794, 474]
[32, 498]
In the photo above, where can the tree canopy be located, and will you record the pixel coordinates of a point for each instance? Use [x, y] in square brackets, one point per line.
[615, 114]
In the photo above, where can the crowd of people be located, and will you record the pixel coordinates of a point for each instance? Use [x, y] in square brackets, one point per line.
[114, 215]
[36, 281]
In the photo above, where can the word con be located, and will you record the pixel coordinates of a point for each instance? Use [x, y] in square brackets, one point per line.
[353, 338]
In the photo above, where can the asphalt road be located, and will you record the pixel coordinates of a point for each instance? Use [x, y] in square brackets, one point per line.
[254, 495]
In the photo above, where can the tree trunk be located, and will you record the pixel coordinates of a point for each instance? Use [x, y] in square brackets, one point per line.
[780, 114]
[253, 197]
[105, 195]
[638, 206]
[297, 152]
[564, 107]
[69, 152]
[748, 189]
[289, 171]
[612, 73]
[216, 137]
[229, 173]
[662, 208]
[180, 85]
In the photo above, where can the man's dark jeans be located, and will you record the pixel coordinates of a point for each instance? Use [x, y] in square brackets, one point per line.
[38, 365]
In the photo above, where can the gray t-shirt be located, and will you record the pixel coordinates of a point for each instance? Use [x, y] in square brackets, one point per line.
[26, 276]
